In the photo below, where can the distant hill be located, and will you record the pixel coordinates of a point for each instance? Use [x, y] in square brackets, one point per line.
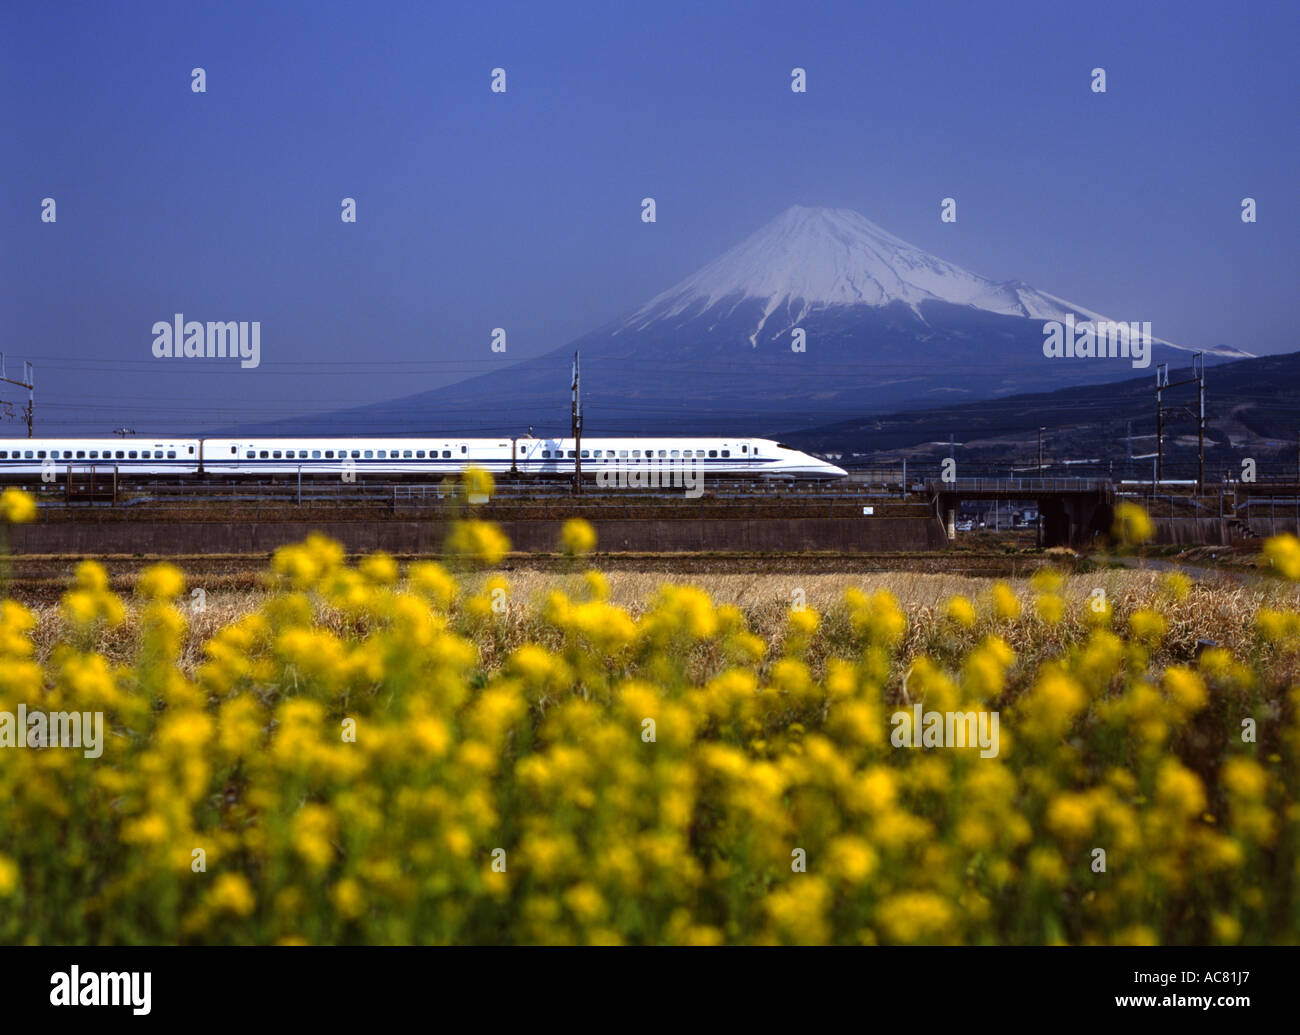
[1252, 408]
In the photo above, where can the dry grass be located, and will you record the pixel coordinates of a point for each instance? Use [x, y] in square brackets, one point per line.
[1218, 609]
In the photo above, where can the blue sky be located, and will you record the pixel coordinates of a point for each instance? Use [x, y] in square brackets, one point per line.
[521, 210]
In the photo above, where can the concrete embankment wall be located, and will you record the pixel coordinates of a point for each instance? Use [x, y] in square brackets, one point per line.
[1191, 531]
[1217, 532]
[846, 534]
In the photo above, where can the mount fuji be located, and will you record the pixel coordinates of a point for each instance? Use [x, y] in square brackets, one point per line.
[886, 327]
[809, 260]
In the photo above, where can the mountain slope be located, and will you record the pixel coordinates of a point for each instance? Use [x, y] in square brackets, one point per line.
[885, 326]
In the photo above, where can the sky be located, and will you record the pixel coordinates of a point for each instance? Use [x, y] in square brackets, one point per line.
[522, 210]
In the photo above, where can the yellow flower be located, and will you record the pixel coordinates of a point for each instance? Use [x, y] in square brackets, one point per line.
[1070, 816]
[577, 537]
[8, 876]
[1283, 552]
[803, 623]
[17, 507]
[1148, 627]
[1006, 604]
[314, 827]
[433, 582]
[1179, 790]
[161, 582]
[478, 482]
[1245, 778]
[798, 910]
[480, 541]
[348, 898]
[379, 569]
[1132, 524]
[1186, 688]
[912, 917]
[91, 576]
[231, 893]
[961, 611]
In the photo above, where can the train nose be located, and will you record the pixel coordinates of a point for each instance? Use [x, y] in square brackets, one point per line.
[837, 472]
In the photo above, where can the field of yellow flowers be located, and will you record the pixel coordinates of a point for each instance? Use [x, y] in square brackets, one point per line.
[372, 755]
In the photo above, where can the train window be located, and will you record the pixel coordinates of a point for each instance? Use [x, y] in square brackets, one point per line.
[40, 454]
[370, 454]
[546, 454]
[250, 454]
[171, 454]
[594, 452]
[315, 454]
[28, 455]
[726, 452]
[623, 453]
[275, 454]
[446, 453]
[329, 454]
[235, 449]
[4, 454]
[119, 454]
[264, 454]
[356, 454]
[383, 454]
[464, 449]
[663, 452]
[636, 454]
[130, 454]
[190, 449]
[676, 453]
[94, 454]
[744, 449]
[406, 454]
[419, 454]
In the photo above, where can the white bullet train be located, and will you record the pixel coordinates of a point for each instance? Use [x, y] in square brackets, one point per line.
[24, 459]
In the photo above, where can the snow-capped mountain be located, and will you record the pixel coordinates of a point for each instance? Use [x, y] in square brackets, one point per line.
[888, 327]
[814, 258]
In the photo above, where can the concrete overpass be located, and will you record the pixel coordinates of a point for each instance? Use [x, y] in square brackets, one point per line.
[1073, 511]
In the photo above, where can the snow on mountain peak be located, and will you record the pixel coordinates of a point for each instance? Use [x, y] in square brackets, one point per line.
[808, 258]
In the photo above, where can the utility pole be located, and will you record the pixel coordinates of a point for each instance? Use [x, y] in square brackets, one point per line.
[1198, 362]
[1040, 452]
[1162, 379]
[1163, 382]
[576, 422]
[28, 382]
